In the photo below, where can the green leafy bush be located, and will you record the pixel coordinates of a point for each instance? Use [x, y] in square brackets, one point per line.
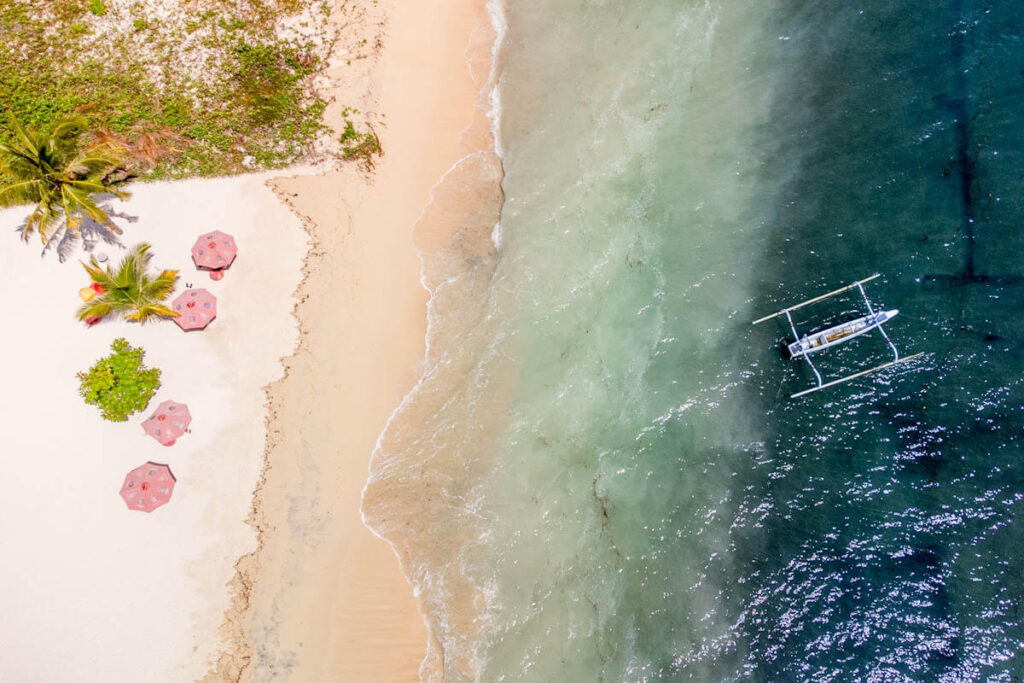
[97, 7]
[119, 384]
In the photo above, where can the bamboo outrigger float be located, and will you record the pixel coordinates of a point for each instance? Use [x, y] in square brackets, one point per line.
[803, 346]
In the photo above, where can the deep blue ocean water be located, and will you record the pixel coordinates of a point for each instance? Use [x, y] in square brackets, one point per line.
[648, 503]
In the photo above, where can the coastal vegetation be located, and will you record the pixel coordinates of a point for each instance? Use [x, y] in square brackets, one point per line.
[119, 384]
[130, 291]
[207, 88]
[361, 147]
[51, 170]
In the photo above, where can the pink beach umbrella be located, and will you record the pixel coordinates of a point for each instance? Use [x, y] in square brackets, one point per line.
[168, 422]
[196, 308]
[147, 487]
[214, 251]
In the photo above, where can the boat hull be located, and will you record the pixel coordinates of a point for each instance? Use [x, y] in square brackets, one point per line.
[837, 334]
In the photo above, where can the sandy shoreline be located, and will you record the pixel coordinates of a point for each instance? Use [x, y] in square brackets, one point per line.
[323, 598]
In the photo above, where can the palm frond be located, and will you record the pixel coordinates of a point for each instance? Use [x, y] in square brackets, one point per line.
[97, 308]
[89, 187]
[93, 269]
[19, 167]
[117, 192]
[93, 163]
[72, 217]
[132, 270]
[21, 192]
[19, 157]
[98, 275]
[142, 264]
[72, 223]
[28, 142]
[62, 142]
[43, 219]
[69, 127]
[128, 267]
[83, 203]
[161, 286]
[32, 223]
[147, 311]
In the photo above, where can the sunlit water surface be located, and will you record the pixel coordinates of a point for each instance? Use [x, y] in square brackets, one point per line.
[649, 503]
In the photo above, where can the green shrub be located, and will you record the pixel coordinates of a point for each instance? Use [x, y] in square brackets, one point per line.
[119, 384]
[267, 76]
[361, 147]
[176, 112]
[97, 7]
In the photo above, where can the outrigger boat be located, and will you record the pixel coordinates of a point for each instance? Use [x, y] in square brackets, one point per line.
[819, 341]
[803, 346]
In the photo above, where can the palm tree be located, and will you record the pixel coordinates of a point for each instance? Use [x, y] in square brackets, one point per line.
[50, 171]
[131, 291]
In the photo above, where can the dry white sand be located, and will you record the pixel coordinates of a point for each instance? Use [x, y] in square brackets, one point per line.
[89, 590]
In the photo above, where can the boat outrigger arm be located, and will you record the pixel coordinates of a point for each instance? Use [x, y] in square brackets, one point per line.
[802, 347]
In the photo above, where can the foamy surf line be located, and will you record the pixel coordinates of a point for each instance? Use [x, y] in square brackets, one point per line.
[496, 11]
[499, 23]
[456, 240]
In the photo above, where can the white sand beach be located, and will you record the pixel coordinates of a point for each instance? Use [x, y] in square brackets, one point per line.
[90, 590]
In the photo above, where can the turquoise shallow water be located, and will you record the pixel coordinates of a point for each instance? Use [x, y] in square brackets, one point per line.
[647, 504]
